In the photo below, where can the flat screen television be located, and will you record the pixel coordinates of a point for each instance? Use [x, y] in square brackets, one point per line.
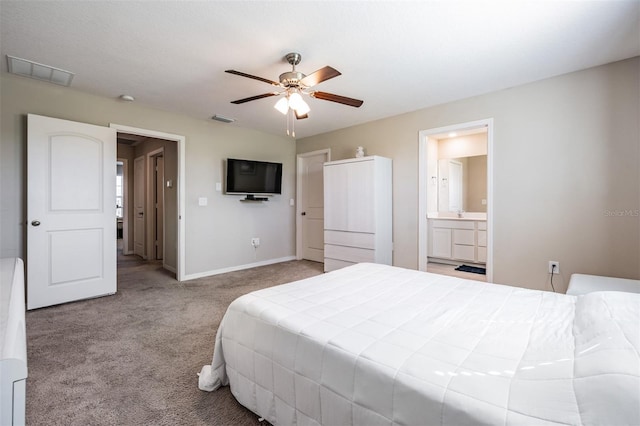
[253, 177]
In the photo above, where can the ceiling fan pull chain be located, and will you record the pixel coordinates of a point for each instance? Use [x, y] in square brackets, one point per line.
[293, 124]
[288, 114]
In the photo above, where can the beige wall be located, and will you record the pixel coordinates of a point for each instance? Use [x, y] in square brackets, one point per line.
[566, 163]
[566, 173]
[218, 235]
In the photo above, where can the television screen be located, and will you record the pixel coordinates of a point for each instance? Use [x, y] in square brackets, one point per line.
[253, 177]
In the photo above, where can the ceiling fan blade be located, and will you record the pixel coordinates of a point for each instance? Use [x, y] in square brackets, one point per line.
[301, 117]
[253, 98]
[242, 74]
[319, 76]
[336, 98]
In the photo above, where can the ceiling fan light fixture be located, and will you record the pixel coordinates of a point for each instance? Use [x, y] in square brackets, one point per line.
[282, 105]
[296, 84]
[303, 108]
[295, 101]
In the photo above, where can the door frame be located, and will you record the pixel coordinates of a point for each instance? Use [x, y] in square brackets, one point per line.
[181, 141]
[423, 188]
[151, 225]
[299, 193]
[125, 203]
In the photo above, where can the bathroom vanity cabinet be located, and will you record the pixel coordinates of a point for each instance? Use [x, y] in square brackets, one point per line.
[458, 240]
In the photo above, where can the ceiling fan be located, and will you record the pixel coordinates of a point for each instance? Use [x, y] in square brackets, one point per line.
[296, 84]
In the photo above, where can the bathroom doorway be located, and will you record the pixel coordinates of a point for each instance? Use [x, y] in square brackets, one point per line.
[455, 200]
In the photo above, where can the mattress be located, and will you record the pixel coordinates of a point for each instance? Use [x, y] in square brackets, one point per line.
[380, 345]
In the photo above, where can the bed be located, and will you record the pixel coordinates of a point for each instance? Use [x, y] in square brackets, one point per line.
[380, 345]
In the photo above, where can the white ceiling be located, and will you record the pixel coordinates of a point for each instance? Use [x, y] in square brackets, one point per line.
[396, 56]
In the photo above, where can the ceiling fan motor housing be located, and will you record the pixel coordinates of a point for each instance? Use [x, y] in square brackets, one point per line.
[291, 79]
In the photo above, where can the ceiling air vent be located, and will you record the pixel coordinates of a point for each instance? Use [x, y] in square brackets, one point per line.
[38, 71]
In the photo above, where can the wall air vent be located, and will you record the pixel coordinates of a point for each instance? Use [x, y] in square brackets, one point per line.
[38, 71]
[218, 117]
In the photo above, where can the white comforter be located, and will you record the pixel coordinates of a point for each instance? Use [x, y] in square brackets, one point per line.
[380, 345]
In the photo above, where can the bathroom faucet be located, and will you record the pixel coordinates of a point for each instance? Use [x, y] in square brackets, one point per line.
[460, 213]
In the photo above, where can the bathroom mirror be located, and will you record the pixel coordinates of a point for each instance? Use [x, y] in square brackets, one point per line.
[462, 184]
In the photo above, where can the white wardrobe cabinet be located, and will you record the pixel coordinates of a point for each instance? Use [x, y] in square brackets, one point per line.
[357, 212]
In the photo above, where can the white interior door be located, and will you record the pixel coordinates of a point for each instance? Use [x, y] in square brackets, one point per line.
[71, 180]
[312, 206]
[138, 207]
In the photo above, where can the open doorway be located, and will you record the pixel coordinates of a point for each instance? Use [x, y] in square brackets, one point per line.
[455, 200]
[151, 196]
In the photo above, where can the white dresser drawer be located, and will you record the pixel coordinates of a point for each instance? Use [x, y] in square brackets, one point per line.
[351, 239]
[453, 224]
[463, 252]
[333, 264]
[464, 236]
[349, 254]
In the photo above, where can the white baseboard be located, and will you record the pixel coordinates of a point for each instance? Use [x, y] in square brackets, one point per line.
[237, 268]
[169, 268]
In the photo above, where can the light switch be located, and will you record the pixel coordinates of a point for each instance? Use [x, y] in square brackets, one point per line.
[292, 202]
[218, 186]
[169, 183]
[202, 201]
[484, 202]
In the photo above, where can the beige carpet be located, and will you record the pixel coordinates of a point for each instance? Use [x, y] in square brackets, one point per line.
[132, 358]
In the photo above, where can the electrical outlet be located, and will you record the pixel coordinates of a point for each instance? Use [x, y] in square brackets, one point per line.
[553, 270]
[255, 242]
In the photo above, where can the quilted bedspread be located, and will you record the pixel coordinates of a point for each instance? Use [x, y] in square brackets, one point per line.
[380, 345]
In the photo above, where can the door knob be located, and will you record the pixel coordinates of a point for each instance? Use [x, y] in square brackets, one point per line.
[35, 223]
[303, 213]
